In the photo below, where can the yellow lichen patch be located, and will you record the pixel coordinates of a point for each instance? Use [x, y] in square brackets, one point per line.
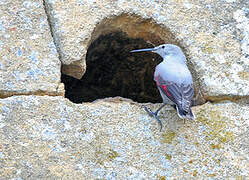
[112, 154]
[215, 146]
[168, 136]
[207, 49]
[227, 136]
[168, 156]
[162, 178]
[243, 75]
[218, 161]
[239, 178]
[210, 43]
[228, 63]
[105, 155]
[195, 173]
[227, 74]
[217, 124]
[100, 157]
[211, 175]
[197, 144]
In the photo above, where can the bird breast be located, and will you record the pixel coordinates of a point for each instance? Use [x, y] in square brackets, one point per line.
[175, 72]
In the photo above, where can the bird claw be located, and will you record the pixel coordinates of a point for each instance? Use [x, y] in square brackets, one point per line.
[148, 110]
[152, 114]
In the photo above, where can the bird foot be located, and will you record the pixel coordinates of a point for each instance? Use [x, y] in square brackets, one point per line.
[153, 114]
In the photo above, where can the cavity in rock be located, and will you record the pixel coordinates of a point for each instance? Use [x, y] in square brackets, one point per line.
[113, 71]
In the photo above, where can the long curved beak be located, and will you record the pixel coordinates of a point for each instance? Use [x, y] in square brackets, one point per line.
[142, 50]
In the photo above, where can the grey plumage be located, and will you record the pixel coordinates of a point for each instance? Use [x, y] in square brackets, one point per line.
[173, 80]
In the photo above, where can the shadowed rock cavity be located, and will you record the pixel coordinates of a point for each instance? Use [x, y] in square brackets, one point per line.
[111, 70]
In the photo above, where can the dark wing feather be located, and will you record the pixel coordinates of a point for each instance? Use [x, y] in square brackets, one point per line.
[180, 94]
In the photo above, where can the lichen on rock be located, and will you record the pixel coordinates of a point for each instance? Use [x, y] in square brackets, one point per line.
[115, 138]
[43, 135]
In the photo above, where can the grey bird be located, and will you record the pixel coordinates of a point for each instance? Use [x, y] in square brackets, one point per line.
[173, 80]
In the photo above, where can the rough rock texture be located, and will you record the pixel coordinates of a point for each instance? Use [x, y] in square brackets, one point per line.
[214, 35]
[51, 138]
[29, 61]
[45, 137]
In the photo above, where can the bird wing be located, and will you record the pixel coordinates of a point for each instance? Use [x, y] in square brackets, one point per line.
[181, 94]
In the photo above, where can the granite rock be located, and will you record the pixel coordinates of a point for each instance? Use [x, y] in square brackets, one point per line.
[44, 137]
[214, 35]
[29, 62]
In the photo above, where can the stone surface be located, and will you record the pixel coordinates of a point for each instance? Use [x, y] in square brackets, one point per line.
[29, 61]
[44, 137]
[214, 35]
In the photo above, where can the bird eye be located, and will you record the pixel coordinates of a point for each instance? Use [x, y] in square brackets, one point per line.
[163, 47]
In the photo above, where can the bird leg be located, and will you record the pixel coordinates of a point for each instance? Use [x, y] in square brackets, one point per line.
[151, 113]
[174, 106]
[157, 111]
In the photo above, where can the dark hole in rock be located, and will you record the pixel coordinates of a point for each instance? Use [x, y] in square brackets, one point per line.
[113, 71]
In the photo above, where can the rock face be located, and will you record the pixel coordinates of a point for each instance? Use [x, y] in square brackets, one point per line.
[116, 139]
[47, 137]
[29, 61]
[213, 35]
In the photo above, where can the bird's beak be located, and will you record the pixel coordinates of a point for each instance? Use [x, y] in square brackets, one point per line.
[142, 50]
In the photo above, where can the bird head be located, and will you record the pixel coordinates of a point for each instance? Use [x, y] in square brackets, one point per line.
[163, 50]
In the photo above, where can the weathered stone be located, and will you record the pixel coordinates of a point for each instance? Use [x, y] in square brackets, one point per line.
[29, 61]
[213, 35]
[51, 138]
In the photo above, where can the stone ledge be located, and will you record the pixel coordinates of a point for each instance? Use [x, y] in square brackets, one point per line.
[40, 92]
[50, 137]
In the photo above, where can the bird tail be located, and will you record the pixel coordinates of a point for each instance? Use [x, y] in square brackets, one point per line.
[184, 114]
